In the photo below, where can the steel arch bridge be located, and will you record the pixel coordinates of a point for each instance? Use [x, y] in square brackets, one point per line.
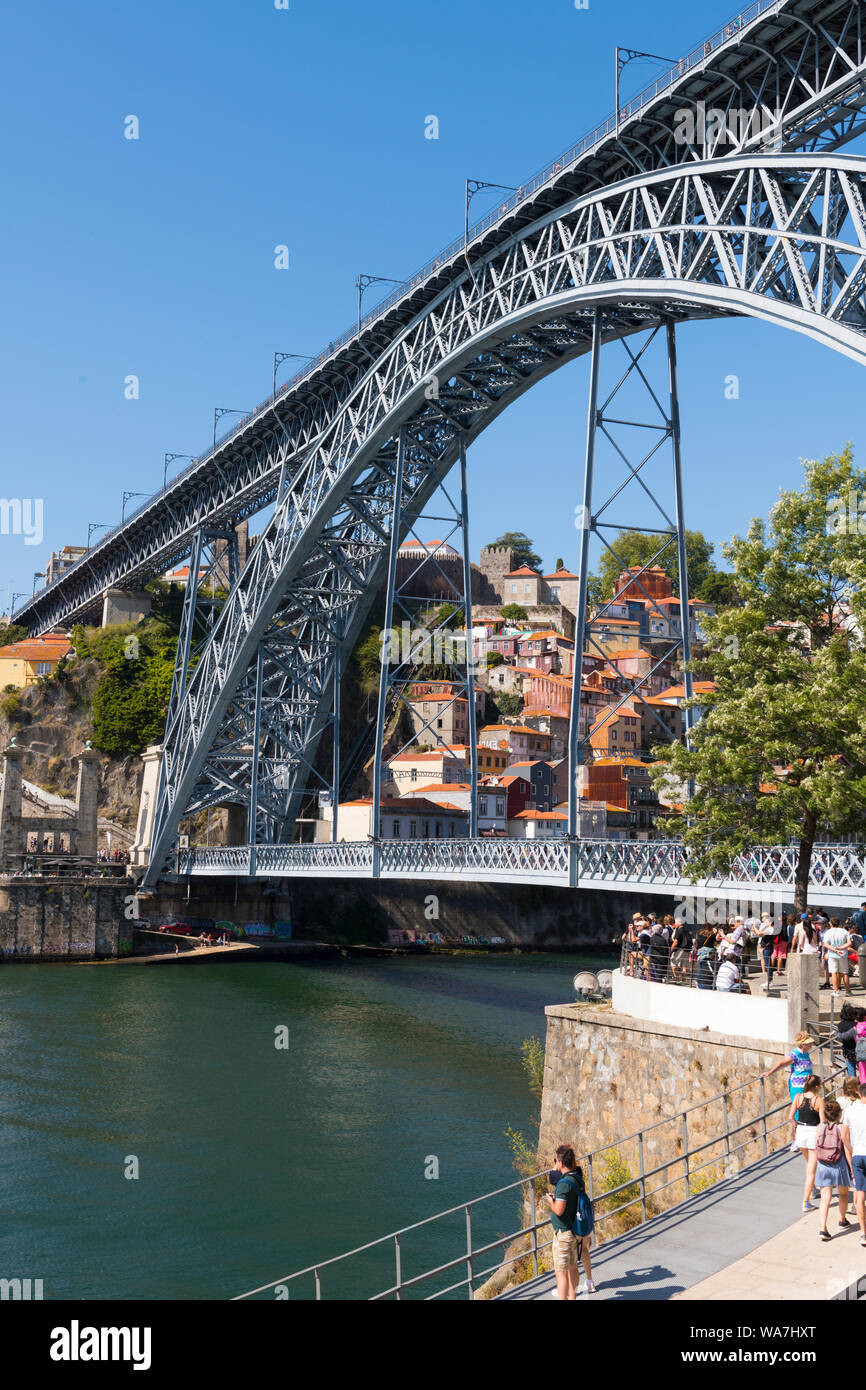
[632, 229]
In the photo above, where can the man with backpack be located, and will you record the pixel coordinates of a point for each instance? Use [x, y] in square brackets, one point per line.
[572, 1222]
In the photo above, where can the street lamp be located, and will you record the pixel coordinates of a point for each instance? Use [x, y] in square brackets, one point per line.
[285, 357]
[474, 186]
[37, 574]
[126, 497]
[171, 458]
[364, 282]
[18, 593]
[623, 57]
[219, 412]
[96, 526]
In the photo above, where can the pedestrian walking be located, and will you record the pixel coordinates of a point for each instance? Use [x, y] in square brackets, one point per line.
[806, 1115]
[849, 1093]
[854, 1138]
[832, 1168]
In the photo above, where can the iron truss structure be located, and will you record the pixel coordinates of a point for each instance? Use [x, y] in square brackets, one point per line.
[797, 64]
[766, 875]
[667, 223]
[781, 238]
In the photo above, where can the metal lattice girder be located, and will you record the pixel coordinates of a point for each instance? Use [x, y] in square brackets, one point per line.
[760, 245]
[801, 59]
[764, 874]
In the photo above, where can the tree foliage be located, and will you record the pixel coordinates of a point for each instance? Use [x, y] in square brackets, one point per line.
[131, 698]
[638, 548]
[521, 544]
[780, 753]
[513, 613]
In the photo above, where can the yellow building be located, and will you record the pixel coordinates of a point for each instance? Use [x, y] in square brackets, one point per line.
[24, 662]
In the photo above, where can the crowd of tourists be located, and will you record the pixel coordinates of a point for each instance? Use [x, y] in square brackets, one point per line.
[718, 957]
[828, 1124]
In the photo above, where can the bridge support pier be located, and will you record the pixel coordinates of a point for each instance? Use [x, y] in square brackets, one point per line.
[636, 435]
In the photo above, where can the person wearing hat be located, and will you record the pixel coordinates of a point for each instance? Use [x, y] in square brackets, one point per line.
[765, 932]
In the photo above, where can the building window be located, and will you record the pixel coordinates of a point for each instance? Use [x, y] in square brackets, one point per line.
[482, 806]
[426, 830]
[413, 775]
[395, 831]
[413, 830]
[500, 807]
[438, 830]
[43, 668]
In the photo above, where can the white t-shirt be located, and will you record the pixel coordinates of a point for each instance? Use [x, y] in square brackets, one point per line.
[855, 1119]
[728, 976]
[836, 939]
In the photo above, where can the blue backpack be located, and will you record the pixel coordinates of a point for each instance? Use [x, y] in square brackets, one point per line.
[584, 1216]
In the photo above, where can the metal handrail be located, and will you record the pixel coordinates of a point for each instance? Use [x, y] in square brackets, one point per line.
[552, 171]
[639, 1181]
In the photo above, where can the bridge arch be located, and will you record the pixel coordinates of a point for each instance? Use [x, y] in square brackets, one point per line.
[779, 238]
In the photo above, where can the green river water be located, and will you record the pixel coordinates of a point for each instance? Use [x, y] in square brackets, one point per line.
[256, 1161]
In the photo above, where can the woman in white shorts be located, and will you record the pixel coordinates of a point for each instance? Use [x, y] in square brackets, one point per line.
[807, 1113]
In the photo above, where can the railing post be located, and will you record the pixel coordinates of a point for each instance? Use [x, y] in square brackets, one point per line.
[589, 1177]
[726, 1124]
[533, 1216]
[318, 1285]
[399, 1266]
[641, 1177]
[686, 1152]
[764, 1115]
[469, 1251]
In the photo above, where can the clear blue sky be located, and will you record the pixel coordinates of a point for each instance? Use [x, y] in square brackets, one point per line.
[306, 127]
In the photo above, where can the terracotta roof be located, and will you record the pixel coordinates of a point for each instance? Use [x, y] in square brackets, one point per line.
[562, 574]
[540, 815]
[678, 692]
[523, 571]
[37, 648]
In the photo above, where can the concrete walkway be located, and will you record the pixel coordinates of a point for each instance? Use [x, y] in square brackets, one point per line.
[711, 1235]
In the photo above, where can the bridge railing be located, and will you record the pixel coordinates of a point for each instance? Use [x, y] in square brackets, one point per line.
[702, 1144]
[663, 863]
[689, 62]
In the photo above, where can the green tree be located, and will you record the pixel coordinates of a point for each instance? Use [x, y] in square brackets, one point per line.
[780, 753]
[10, 633]
[520, 543]
[638, 548]
[512, 612]
[509, 704]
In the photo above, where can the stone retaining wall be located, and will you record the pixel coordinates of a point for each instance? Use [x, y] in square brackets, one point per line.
[68, 919]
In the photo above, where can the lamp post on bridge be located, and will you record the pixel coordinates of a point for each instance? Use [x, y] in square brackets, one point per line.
[126, 497]
[96, 526]
[172, 458]
[285, 357]
[363, 283]
[474, 186]
[219, 412]
[624, 56]
[18, 593]
[37, 574]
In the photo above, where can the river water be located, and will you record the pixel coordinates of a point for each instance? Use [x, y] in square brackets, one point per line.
[255, 1161]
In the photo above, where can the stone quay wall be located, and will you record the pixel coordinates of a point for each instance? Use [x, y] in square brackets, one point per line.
[362, 911]
[63, 919]
[606, 1075]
